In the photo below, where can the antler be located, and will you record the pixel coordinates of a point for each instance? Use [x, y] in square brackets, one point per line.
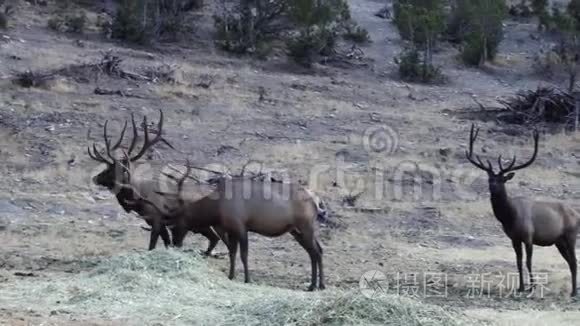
[469, 154]
[180, 183]
[147, 143]
[512, 168]
[96, 155]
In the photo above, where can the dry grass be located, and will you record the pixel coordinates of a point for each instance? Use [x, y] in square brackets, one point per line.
[176, 288]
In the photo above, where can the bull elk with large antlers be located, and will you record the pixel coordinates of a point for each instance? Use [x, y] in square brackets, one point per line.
[527, 221]
[118, 177]
[239, 205]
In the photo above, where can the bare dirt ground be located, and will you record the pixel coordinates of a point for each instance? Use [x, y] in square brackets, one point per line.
[53, 222]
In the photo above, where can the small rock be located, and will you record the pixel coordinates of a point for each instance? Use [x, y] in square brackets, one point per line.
[24, 274]
[384, 13]
[445, 151]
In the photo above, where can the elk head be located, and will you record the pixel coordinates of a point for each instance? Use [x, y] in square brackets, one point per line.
[498, 179]
[117, 170]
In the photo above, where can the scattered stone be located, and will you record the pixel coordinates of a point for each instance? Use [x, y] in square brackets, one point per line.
[445, 152]
[384, 13]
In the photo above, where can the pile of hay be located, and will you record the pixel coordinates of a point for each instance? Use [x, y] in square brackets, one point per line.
[176, 288]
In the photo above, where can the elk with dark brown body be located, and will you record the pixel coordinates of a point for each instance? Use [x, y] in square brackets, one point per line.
[240, 205]
[116, 178]
[527, 221]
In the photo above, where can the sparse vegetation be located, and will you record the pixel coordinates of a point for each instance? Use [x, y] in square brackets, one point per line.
[540, 10]
[70, 254]
[356, 34]
[238, 31]
[310, 43]
[564, 57]
[6, 10]
[414, 68]
[3, 21]
[309, 28]
[421, 22]
[146, 21]
[479, 26]
[70, 23]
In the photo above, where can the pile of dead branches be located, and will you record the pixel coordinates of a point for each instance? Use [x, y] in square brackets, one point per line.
[30, 78]
[545, 104]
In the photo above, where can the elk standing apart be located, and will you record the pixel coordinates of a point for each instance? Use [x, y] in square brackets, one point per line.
[241, 205]
[117, 173]
[527, 221]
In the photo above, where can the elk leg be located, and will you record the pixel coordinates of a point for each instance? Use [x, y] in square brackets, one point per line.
[567, 249]
[529, 253]
[312, 252]
[213, 240]
[518, 249]
[233, 250]
[155, 231]
[572, 262]
[320, 268]
[177, 236]
[573, 270]
[244, 255]
[165, 236]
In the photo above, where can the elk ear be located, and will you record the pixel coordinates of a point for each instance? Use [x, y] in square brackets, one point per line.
[508, 177]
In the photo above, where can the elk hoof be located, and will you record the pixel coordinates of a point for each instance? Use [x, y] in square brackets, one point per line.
[321, 287]
[521, 289]
[573, 294]
[311, 288]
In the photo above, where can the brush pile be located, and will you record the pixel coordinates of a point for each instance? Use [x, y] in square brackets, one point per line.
[545, 104]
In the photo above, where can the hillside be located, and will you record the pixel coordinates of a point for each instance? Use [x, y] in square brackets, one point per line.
[69, 255]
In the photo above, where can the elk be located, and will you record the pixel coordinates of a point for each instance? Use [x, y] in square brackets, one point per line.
[116, 178]
[239, 205]
[527, 221]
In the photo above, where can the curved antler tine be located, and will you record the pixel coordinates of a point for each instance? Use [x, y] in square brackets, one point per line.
[531, 160]
[499, 163]
[146, 142]
[489, 166]
[118, 143]
[479, 160]
[513, 162]
[185, 175]
[95, 157]
[469, 154]
[166, 143]
[107, 141]
[170, 176]
[98, 155]
[135, 134]
[126, 162]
